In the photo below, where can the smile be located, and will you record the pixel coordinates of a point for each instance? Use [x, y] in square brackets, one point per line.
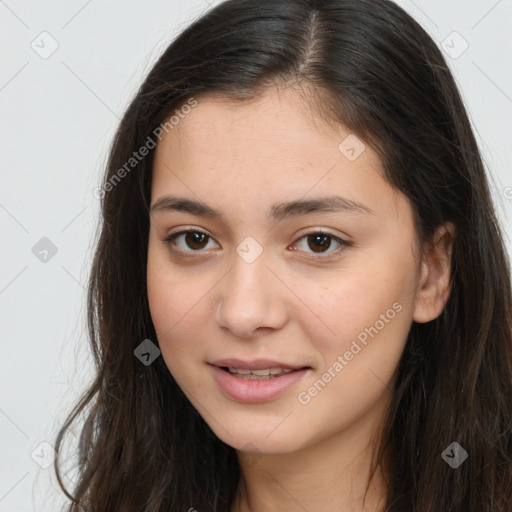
[259, 385]
[264, 374]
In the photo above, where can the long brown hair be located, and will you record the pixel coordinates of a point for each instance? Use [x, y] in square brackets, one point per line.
[370, 66]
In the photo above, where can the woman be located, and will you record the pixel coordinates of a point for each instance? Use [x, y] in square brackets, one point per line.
[300, 298]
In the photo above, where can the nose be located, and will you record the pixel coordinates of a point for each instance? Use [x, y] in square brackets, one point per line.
[250, 299]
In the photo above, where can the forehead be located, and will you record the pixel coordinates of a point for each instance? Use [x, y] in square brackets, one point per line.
[272, 149]
[278, 126]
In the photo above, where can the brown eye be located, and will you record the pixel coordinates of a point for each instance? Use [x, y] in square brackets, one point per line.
[196, 240]
[319, 242]
[189, 241]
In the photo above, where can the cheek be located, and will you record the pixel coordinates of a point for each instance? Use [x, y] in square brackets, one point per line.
[175, 308]
[174, 292]
[360, 307]
[369, 313]
[178, 333]
[358, 364]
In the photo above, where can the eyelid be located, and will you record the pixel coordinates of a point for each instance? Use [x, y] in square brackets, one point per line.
[323, 231]
[187, 229]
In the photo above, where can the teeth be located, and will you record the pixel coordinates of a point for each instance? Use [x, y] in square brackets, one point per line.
[263, 374]
[242, 372]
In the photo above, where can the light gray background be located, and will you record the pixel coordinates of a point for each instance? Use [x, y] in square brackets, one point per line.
[58, 116]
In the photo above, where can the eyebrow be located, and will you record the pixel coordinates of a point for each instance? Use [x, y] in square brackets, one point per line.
[278, 212]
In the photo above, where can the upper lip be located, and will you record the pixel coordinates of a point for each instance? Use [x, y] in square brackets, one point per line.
[255, 364]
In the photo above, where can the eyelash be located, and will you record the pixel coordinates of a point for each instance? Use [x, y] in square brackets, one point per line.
[344, 244]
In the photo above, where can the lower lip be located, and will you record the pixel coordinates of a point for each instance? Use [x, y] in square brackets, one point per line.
[254, 391]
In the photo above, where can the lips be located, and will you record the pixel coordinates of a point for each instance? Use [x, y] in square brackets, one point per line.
[256, 364]
[250, 388]
[266, 374]
[258, 380]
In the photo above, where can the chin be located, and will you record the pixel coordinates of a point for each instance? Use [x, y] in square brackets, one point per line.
[246, 438]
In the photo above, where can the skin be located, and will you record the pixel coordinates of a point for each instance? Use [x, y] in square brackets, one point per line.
[291, 304]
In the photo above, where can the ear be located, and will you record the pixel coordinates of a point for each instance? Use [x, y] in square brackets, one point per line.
[434, 284]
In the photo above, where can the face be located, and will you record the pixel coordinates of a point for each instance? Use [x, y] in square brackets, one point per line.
[278, 249]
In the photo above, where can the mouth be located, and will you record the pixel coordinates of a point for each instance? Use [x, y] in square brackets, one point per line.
[256, 381]
[262, 374]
